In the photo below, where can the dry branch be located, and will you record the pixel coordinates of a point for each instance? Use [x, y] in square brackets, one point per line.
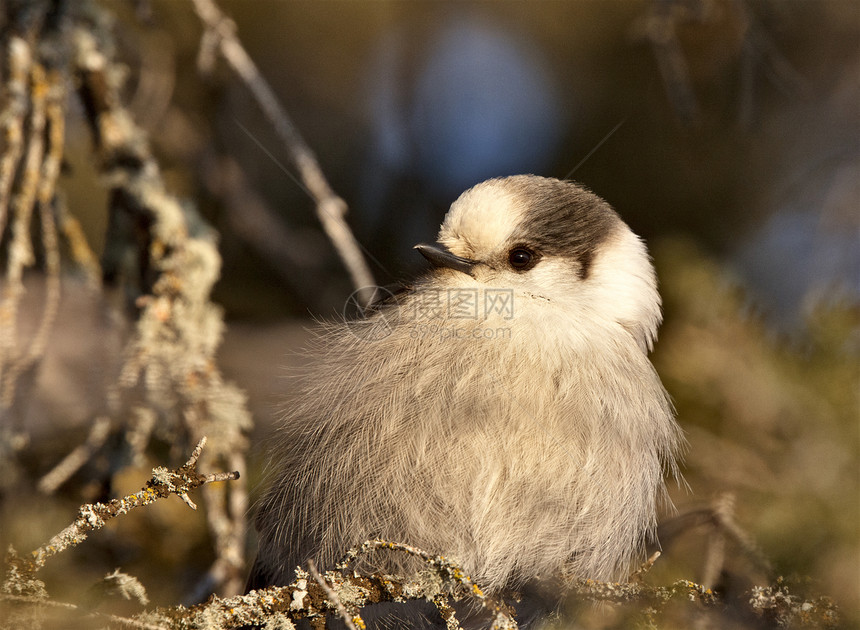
[220, 33]
[45, 191]
[20, 255]
[79, 247]
[316, 597]
[349, 620]
[18, 62]
[73, 462]
[448, 570]
[94, 516]
[170, 356]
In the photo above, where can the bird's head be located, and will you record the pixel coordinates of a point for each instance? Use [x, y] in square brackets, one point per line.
[551, 241]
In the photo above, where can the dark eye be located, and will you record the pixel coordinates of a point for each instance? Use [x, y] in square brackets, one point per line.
[521, 258]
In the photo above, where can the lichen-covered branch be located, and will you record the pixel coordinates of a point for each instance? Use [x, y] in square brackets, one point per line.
[51, 124]
[779, 608]
[343, 592]
[20, 253]
[448, 570]
[771, 604]
[158, 253]
[94, 516]
[350, 620]
[18, 61]
[170, 356]
[103, 620]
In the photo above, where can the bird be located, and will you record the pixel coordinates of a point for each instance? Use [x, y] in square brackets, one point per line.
[501, 411]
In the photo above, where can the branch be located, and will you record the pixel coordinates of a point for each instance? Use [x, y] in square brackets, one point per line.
[312, 597]
[333, 598]
[71, 463]
[80, 249]
[448, 570]
[18, 61]
[331, 209]
[159, 246]
[45, 189]
[659, 28]
[20, 253]
[94, 516]
[114, 620]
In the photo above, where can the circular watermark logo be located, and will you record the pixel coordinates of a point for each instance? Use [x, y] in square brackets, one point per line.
[367, 314]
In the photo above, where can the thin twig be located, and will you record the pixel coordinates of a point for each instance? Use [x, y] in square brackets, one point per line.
[639, 573]
[331, 209]
[139, 433]
[73, 462]
[102, 617]
[20, 253]
[332, 597]
[79, 247]
[715, 553]
[45, 193]
[596, 147]
[659, 28]
[226, 525]
[715, 557]
[724, 518]
[18, 63]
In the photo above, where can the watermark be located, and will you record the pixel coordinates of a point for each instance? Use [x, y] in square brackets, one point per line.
[448, 331]
[369, 322]
[454, 313]
[464, 304]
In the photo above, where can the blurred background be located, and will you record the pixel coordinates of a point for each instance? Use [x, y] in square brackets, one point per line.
[725, 132]
[732, 123]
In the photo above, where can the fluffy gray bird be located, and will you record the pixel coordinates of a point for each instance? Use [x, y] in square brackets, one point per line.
[502, 411]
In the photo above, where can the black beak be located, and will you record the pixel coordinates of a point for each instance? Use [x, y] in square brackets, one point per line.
[440, 257]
